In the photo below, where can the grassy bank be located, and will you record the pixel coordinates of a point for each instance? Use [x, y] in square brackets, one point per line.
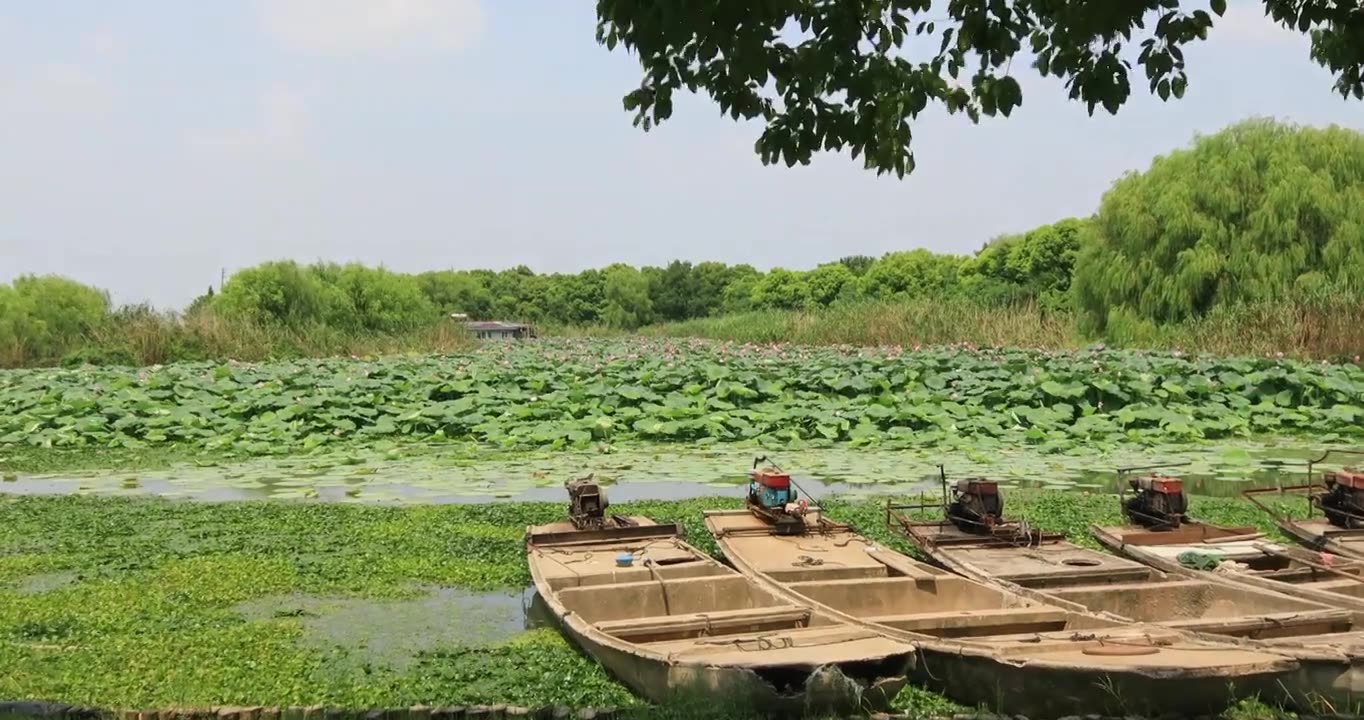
[1330, 329]
[1325, 330]
[152, 603]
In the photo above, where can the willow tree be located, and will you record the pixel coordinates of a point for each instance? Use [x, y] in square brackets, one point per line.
[1259, 211]
[833, 74]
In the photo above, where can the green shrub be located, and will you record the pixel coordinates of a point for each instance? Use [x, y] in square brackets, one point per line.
[1254, 213]
[45, 316]
[277, 292]
[914, 274]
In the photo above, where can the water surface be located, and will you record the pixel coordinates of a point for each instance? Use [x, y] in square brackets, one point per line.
[675, 472]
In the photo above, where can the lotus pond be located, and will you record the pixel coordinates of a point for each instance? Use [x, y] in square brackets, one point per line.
[563, 394]
[374, 555]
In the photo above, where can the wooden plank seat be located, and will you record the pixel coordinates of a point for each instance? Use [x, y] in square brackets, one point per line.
[1335, 584]
[1078, 576]
[1277, 624]
[1333, 531]
[1296, 574]
[826, 572]
[722, 622]
[964, 623]
[721, 579]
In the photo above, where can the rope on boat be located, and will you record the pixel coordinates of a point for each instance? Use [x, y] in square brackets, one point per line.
[762, 643]
[768, 642]
[565, 564]
[662, 586]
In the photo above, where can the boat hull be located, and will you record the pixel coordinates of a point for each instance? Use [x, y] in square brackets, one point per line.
[1328, 670]
[1313, 532]
[723, 691]
[1056, 692]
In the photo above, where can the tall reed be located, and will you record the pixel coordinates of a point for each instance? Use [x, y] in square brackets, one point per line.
[1323, 329]
[141, 336]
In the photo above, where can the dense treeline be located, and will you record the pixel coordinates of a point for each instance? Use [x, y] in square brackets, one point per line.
[1033, 266]
[285, 308]
[1262, 212]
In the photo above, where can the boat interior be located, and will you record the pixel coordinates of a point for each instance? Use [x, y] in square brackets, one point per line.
[850, 574]
[675, 600]
[1252, 556]
[1104, 582]
[1049, 562]
[1345, 540]
[669, 592]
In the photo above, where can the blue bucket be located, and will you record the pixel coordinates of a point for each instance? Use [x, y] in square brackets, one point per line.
[625, 559]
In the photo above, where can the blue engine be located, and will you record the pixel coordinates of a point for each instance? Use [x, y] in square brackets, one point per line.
[770, 497]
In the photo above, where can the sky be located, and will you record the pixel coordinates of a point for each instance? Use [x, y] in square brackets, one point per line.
[147, 148]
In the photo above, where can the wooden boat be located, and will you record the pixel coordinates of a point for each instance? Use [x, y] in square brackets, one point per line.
[1241, 556]
[677, 626]
[1339, 497]
[982, 644]
[972, 537]
[1326, 639]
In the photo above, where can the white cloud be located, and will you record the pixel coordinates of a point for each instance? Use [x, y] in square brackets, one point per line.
[54, 90]
[104, 42]
[345, 27]
[77, 84]
[282, 122]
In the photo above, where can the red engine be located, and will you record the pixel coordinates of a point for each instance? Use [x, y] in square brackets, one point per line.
[1159, 502]
[977, 505]
[772, 496]
[1343, 501]
[773, 478]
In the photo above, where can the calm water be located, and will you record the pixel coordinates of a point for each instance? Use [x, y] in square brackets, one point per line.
[396, 632]
[674, 472]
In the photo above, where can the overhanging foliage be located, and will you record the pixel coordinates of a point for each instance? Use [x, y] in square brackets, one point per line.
[829, 74]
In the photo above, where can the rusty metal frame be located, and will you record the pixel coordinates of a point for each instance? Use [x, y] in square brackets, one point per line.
[912, 528]
[1310, 489]
[1316, 461]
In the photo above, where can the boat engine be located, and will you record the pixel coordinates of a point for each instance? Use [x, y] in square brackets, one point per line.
[1343, 501]
[977, 505]
[586, 504]
[1159, 502]
[771, 497]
